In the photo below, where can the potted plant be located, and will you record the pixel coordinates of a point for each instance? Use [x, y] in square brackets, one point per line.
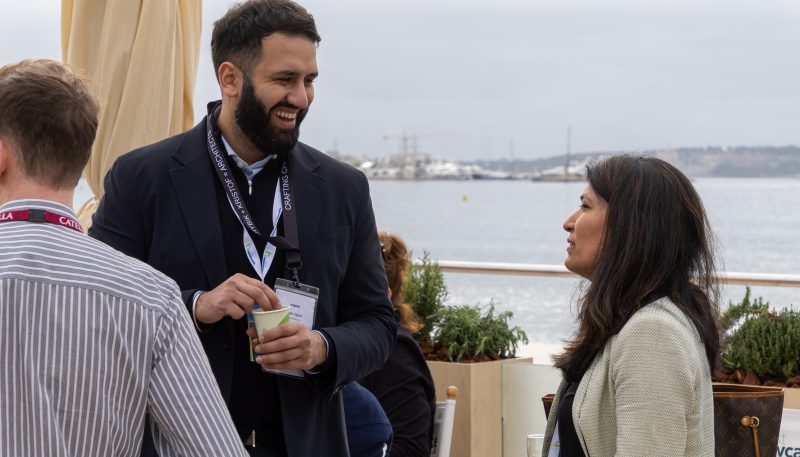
[465, 347]
[475, 334]
[760, 346]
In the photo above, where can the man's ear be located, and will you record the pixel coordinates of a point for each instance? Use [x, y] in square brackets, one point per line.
[230, 79]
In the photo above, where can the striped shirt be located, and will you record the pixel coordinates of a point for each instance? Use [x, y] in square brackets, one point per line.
[90, 341]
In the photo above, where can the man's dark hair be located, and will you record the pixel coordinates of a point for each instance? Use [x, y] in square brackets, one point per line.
[237, 35]
[50, 119]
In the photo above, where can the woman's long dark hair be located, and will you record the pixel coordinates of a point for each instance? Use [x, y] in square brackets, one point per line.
[656, 240]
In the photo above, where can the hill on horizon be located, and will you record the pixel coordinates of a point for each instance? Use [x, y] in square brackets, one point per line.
[712, 161]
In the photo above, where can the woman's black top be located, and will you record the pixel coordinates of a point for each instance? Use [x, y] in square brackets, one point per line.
[570, 445]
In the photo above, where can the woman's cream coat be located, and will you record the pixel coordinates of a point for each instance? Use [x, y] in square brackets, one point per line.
[648, 393]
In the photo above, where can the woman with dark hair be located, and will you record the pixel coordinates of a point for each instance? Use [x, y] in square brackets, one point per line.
[637, 372]
[404, 386]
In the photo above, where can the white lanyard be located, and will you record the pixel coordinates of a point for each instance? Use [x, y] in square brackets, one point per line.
[555, 443]
[262, 263]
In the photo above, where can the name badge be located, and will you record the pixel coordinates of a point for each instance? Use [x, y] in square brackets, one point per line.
[302, 302]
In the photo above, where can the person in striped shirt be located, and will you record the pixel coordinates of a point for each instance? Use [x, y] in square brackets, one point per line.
[90, 340]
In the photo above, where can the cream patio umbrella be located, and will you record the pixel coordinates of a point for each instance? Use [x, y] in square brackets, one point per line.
[141, 58]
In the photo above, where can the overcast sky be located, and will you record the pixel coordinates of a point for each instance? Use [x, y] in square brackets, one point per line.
[483, 79]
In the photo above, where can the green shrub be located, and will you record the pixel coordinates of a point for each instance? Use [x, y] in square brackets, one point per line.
[736, 312]
[759, 340]
[468, 333]
[426, 291]
[465, 332]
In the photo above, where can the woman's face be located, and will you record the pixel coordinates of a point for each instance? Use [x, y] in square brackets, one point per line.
[585, 227]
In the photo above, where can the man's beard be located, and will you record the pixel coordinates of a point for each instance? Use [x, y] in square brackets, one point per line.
[253, 118]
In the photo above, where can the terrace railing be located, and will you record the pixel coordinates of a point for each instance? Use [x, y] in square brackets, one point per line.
[532, 269]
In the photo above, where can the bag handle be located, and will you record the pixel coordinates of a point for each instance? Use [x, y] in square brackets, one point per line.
[752, 422]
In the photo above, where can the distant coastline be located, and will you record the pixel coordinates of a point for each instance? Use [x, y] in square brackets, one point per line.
[723, 162]
[727, 162]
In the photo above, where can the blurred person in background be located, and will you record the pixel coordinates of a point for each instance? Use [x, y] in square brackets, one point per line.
[404, 386]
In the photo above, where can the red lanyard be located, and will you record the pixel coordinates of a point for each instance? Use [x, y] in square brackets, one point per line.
[40, 215]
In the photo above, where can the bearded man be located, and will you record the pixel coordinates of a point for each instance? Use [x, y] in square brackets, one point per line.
[236, 205]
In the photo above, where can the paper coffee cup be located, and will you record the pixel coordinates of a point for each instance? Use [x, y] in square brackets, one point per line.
[535, 444]
[266, 320]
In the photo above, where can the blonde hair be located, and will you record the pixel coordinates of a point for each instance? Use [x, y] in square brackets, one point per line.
[395, 261]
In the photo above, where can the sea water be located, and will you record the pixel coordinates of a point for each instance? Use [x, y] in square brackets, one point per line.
[757, 231]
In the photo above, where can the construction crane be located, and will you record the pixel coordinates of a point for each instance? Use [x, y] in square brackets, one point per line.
[408, 141]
